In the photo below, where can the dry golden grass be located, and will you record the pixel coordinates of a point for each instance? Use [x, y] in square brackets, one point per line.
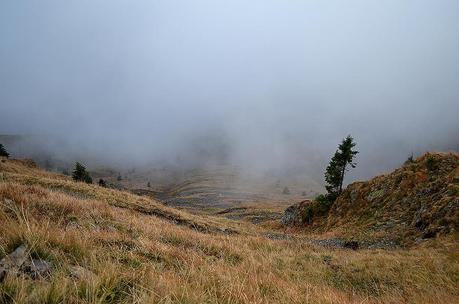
[135, 257]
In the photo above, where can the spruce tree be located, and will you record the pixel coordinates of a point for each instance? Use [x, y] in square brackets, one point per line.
[3, 151]
[80, 174]
[334, 174]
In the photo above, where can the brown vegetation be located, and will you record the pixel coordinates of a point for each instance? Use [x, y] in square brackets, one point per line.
[110, 246]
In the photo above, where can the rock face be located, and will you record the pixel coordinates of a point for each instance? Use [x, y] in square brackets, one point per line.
[293, 214]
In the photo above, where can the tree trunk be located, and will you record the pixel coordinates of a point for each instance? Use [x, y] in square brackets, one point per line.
[341, 180]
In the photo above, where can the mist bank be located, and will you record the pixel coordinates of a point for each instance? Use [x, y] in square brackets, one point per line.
[265, 85]
[281, 156]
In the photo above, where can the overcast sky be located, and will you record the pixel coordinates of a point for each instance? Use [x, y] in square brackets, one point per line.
[279, 81]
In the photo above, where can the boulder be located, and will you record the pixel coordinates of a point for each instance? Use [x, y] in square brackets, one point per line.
[13, 261]
[293, 214]
[20, 262]
[36, 268]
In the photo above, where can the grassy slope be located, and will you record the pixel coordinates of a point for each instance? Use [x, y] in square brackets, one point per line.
[140, 251]
[214, 189]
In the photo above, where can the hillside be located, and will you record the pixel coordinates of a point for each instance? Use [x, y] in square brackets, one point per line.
[68, 242]
[225, 191]
[416, 202]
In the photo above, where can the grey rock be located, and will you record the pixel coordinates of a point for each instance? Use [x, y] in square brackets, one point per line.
[293, 214]
[13, 261]
[81, 273]
[36, 268]
[278, 236]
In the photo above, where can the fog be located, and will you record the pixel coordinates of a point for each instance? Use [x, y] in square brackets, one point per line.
[257, 84]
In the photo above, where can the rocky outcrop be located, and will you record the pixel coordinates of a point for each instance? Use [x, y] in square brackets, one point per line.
[294, 215]
[420, 199]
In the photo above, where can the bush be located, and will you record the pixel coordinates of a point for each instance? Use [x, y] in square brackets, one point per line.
[432, 163]
[102, 183]
[324, 202]
[319, 207]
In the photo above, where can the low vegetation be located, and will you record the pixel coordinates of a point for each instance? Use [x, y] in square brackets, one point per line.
[110, 246]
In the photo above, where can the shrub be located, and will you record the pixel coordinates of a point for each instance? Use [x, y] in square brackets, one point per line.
[432, 163]
[324, 202]
[319, 207]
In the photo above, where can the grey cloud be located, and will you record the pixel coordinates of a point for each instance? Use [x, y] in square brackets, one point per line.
[278, 83]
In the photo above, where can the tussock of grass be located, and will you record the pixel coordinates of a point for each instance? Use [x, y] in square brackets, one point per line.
[135, 257]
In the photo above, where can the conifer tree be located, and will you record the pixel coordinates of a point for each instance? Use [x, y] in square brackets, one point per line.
[3, 151]
[80, 174]
[334, 174]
